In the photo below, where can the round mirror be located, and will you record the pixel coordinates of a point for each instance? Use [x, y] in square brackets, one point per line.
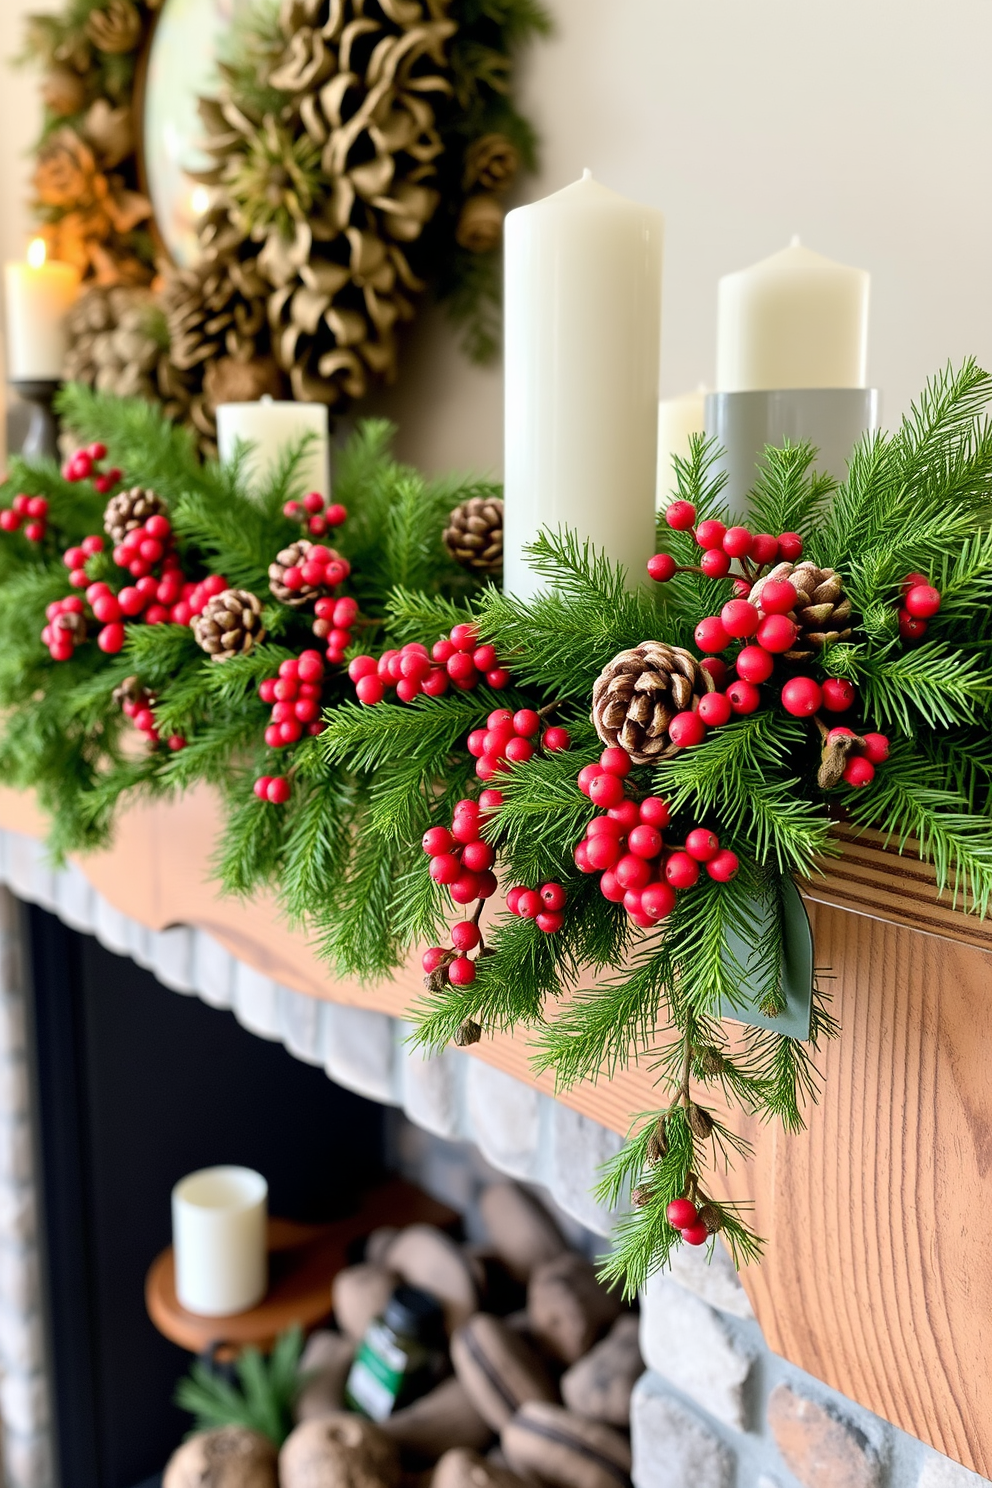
[182, 68]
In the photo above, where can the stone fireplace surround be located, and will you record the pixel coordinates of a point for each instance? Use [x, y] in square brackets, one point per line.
[716, 1408]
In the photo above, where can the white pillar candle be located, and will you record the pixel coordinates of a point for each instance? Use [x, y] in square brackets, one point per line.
[38, 295]
[270, 428]
[219, 1240]
[795, 320]
[677, 419]
[583, 326]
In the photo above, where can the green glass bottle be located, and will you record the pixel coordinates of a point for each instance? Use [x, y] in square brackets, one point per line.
[401, 1356]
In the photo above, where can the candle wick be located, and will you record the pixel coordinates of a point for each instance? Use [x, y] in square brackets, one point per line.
[794, 241]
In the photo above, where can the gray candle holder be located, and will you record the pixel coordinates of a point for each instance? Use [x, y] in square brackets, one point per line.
[743, 424]
[32, 428]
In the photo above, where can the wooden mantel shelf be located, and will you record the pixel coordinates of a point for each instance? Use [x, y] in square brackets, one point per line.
[878, 1273]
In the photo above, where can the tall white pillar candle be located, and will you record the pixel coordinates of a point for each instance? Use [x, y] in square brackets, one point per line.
[38, 296]
[677, 419]
[583, 326]
[794, 320]
[271, 428]
[219, 1240]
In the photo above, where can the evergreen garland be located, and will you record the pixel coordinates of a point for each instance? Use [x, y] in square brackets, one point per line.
[344, 854]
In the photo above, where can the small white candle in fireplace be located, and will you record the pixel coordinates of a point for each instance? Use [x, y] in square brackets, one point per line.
[219, 1240]
[271, 428]
[38, 296]
[794, 320]
[583, 326]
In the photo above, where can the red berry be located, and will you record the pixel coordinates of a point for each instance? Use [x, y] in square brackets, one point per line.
[710, 534]
[876, 748]
[778, 597]
[838, 695]
[286, 688]
[922, 601]
[644, 841]
[436, 682]
[723, 865]
[465, 829]
[406, 690]
[465, 888]
[738, 542]
[491, 800]
[442, 651]
[89, 545]
[106, 607]
[519, 751]
[549, 921]
[686, 730]
[484, 657]
[911, 628]
[553, 896]
[658, 900]
[526, 723]
[279, 790]
[502, 720]
[111, 638]
[680, 515]
[336, 514]
[461, 972]
[272, 736]
[711, 634]
[605, 790]
[741, 588]
[625, 816]
[632, 872]
[696, 1234]
[151, 550]
[859, 770]
[370, 690]
[436, 840]
[61, 650]
[464, 637]
[498, 678]
[9, 520]
[261, 787]
[21, 503]
[681, 870]
[715, 563]
[655, 812]
[478, 856]
[911, 580]
[777, 633]
[445, 868]
[802, 697]
[615, 761]
[34, 531]
[362, 666]
[790, 546]
[581, 857]
[513, 898]
[290, 731]
[310, 666]
[345, 611]
[681, 1213]
[529, 904]
[740, 619]
[97, 451]
[461, 668]
[556, 739]
[662, 567]
[702, 844]
[476, 743]
[717, 669]
[176, 742]
[432, 958]
[465, 936]
[755, 664]
[610, 888]
[74, 557]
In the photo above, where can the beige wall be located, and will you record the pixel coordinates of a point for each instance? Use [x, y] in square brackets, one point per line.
[864, 125]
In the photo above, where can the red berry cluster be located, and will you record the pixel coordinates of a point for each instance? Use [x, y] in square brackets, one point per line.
[335, 617]
[722, 544]
[140, 711]
[32, 511]
[920, 602]
[456, 660]
[510, 738]
[454, 961]
[323, 566]
[82, 465]
[544, 905]
[63, 633]
[294, 694]
[869, 751]
[460, 859]
[317, 516]
[683, 1216]
[273, 788]
[625, 845]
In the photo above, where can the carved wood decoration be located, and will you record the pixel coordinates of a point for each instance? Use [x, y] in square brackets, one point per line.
[878, 1274]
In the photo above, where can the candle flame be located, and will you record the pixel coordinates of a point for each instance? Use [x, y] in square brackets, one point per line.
[200, 200]
[36, 253]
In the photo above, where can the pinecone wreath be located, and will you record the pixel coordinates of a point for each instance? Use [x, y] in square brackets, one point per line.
[230, 624]
[636, 696]
[129, 510]
[293, 557]
[474, 534]
[116, 339]
[822, 610]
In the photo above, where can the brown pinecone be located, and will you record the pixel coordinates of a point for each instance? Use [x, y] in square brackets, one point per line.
[635, 698]
[470, 1032]
[711, 1217]
[73, 623]
[700, 1121]
[130, 509]
[474, 534]
[293, 557]
[116, 340]
[132, 690]
[822, 611]
[230, 624]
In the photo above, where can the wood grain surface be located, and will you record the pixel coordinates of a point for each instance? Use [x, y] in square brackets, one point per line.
[878, 1274]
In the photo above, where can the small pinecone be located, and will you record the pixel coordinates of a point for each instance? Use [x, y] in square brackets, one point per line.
[834, 757]
[470, 1032]
[711, 1061]
[293, 557]
[822, 612]
[641, 1197]
[130, 509]
[635, 698]
[474, 534]
[73, 623]
[131, 690]
[700, 1121]
[657, 1147]
[230, 624]
[711, 1217]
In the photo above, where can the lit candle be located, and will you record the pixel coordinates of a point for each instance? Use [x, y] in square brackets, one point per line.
[219, 1240]
[271, 428]
[583, 325]
[677, 419]
[795, 320]
[38, 296]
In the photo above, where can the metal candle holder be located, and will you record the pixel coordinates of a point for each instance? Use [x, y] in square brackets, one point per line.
[41, 436]
[744, 424]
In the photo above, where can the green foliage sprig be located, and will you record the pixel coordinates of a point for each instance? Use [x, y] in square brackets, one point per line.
[261, 1397]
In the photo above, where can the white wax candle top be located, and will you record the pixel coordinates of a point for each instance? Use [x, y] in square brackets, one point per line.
[219, 1239]
[794, 320]
[271, 427]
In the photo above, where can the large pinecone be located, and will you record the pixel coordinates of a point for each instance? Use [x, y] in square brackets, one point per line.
[635, 698]
[130, 509]
[822, 611]
[474, 534]
[293, 557]
[116, 340]
[230, 624]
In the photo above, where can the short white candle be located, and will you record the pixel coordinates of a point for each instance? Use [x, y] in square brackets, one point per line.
[219, 1240]
[794, 320]
[38, 295]
[677, 419]
[271, 428]
[583, 325]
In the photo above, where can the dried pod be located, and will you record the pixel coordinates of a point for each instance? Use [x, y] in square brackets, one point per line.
[469, 1033]
[700, 1121]
[710, 1061]
[657, 1142]
[711, 1217]
[641, 1197]
[837, 749]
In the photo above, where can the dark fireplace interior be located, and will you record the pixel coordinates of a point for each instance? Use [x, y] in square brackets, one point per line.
[137, 1086]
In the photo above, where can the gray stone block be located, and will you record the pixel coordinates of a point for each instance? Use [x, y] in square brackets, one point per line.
[300, 1024]
[75, 898]
[13, 1024]
[581, 1149]
[358, 1051]
[111, 927]
[941, 1472]
[256, 1002]
[170, 957]
[686, 1342]
[672, 1447]
[18, 1214]
[16, 1155]
[431, 1087]
[22, 1341]
[715, 1280]
[213, 970]
[20, 1290]
[504, 1119]
[27, 1460]
[24, 1404]
[27, 871]
[13, 1085]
